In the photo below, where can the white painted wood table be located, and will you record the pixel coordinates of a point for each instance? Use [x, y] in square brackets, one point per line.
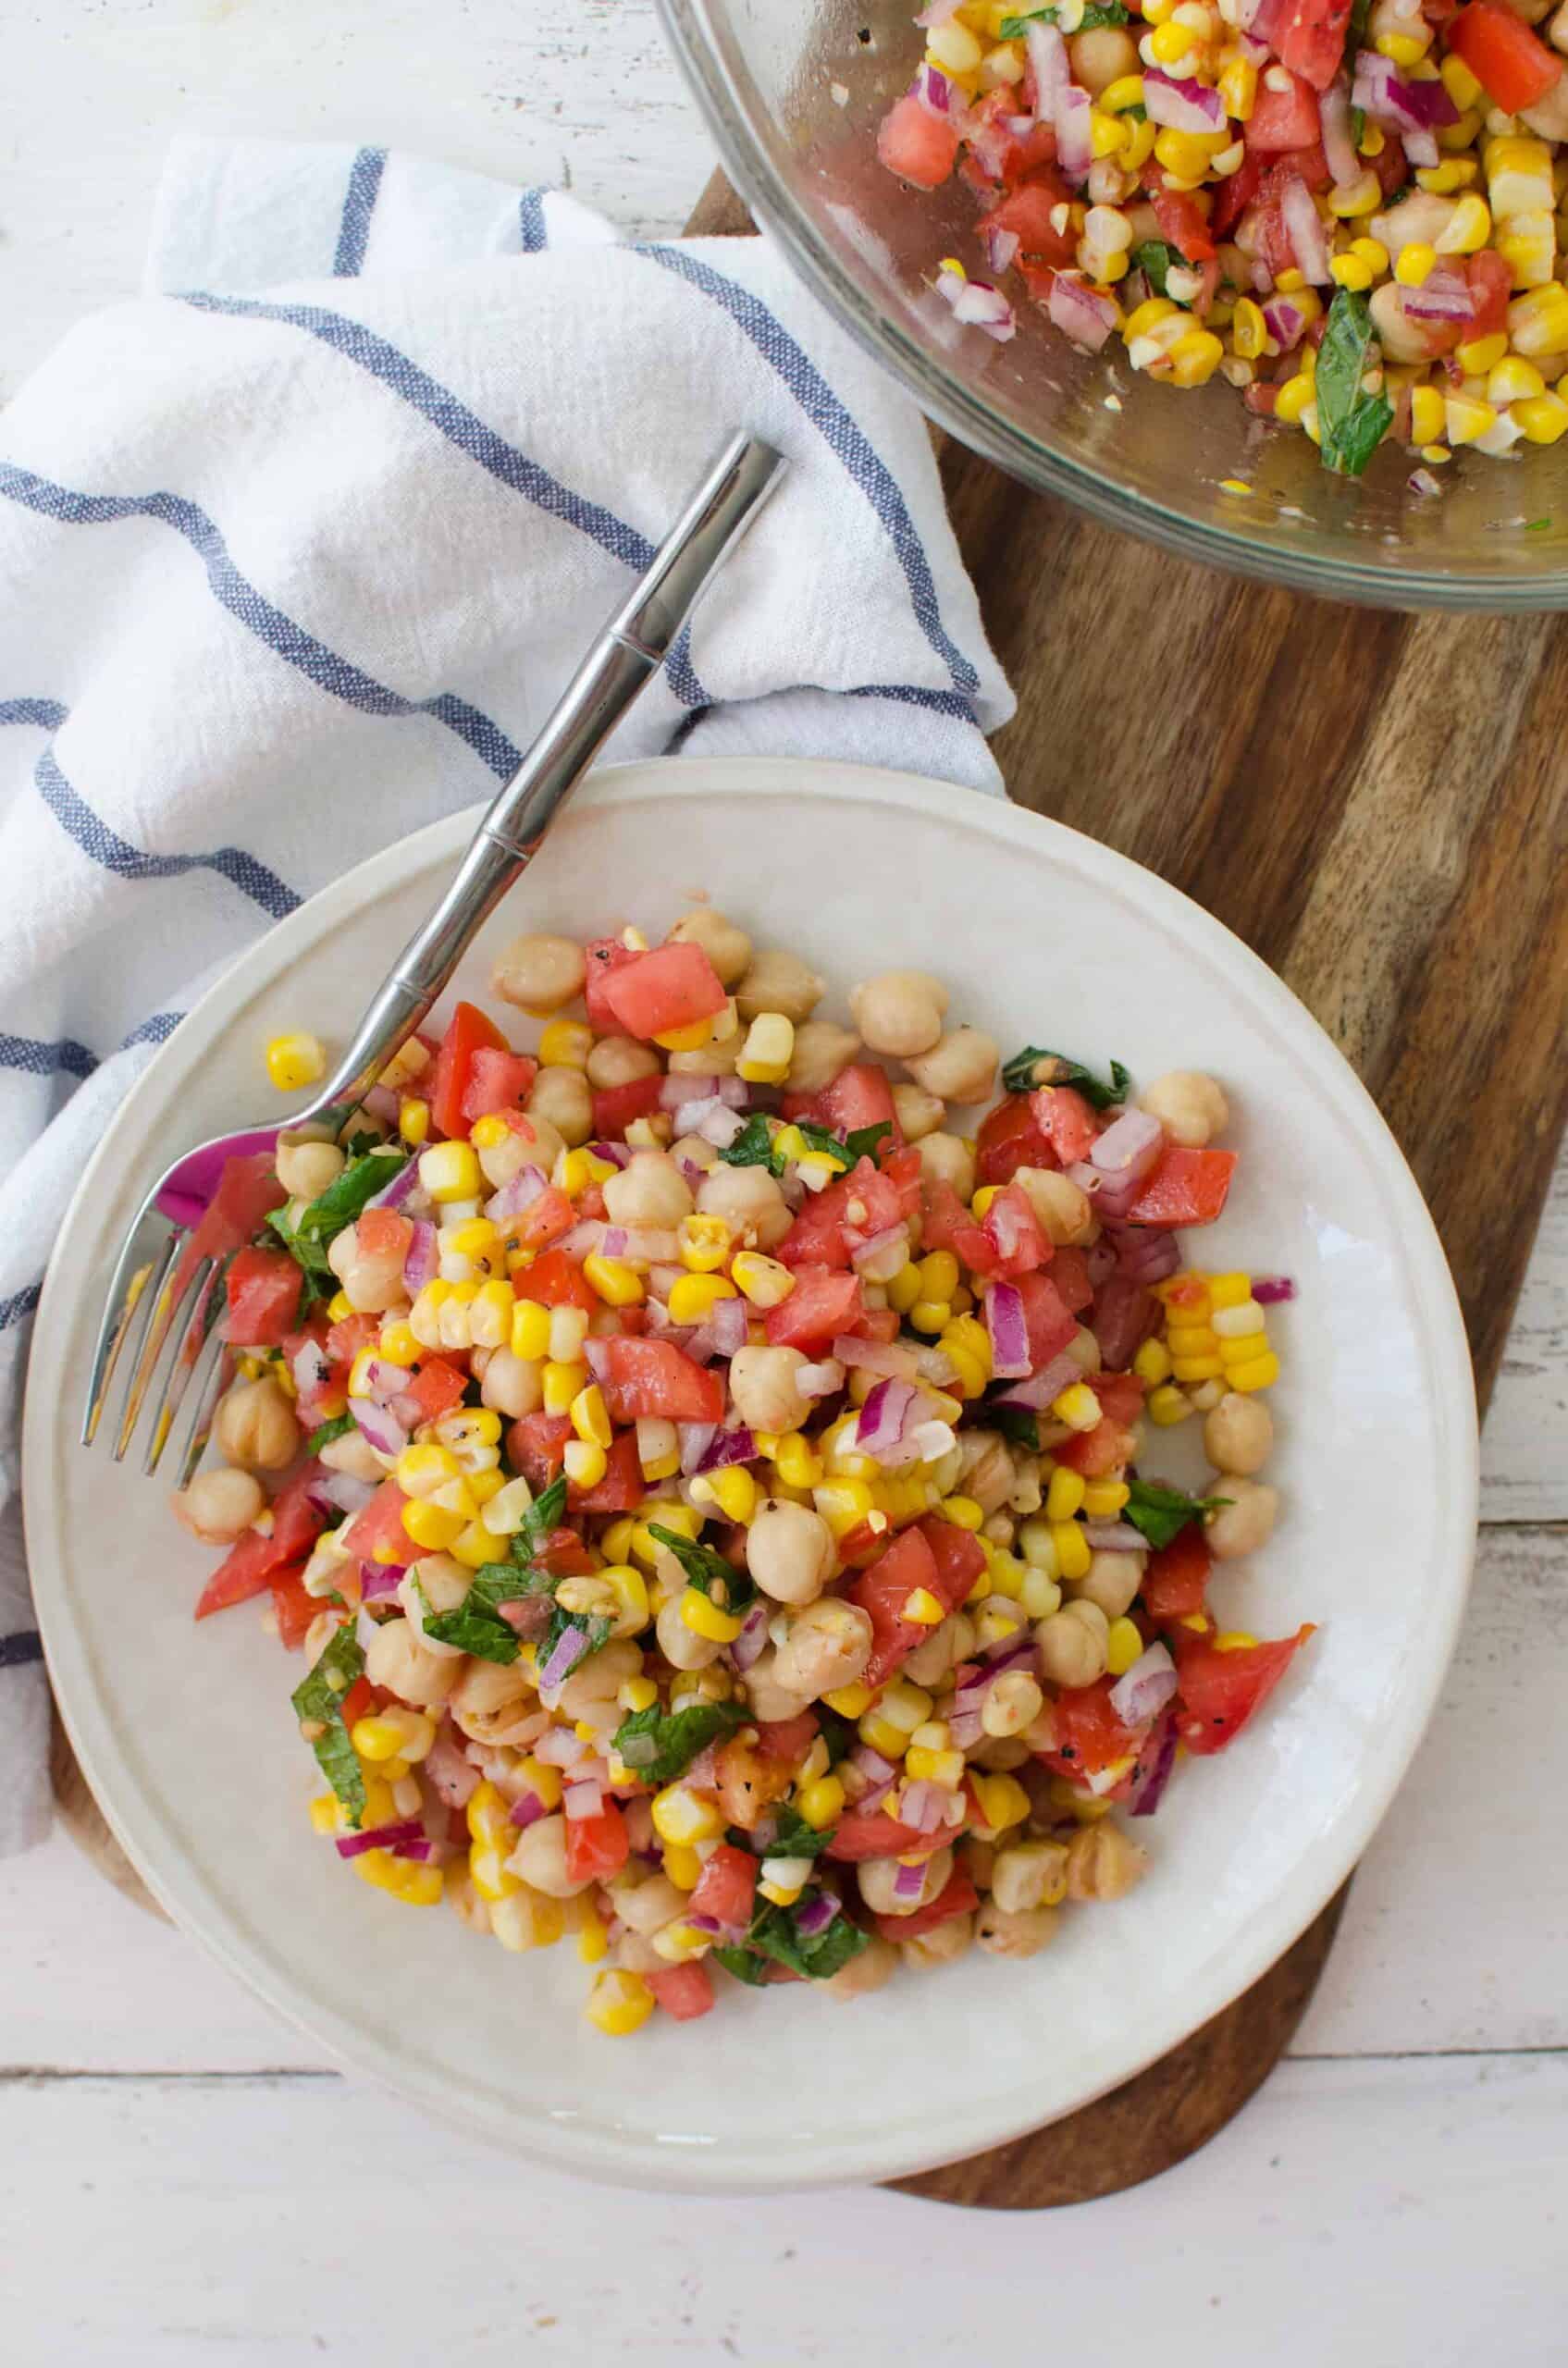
[183, 2180]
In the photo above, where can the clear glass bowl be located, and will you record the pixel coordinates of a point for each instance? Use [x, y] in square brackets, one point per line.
[793, 90]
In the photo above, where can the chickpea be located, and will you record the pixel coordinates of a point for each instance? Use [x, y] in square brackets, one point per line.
[539, 974]
[1428, 218]
[1246, 1522]
[1111, 1582]
[1072, 1644]
[978, 1860]
[565, 1099]
[540, 1859]
[620, 1060]
[681, 1646]
[947, 1159]
[828, 1645]
[1557, 31]
[371, 1282]
[941, 1945]
[256, 1426]
[1190, 1106]
[941, 1651]
[599, 1678]
[985, 1469]
[779, 982]
[789, 1552]
[492, 1703]
[875, 1965]
[537, 1145]
[647, 1906]
[1015, 1931]
[960, 1067]
[899, 1012]
[1239, 1434]
[712, 1060]
[1012, 1703]
[1066, 1214]
[634, 1955]
[762, 1387]
[750, 1202]
[511, 1385]
[1084, 1350]
[1402, 338]
[919, 1112]
[821, 1049]
[767, 1698]
[354, 1455]
[694, 1150]
[1102, 1862]
[401, 1663]
[651, 1191]
[306, 1166]
[726, 945]
[1001, 1754]
[1029, 1873]
[1101, 57]
[879, 1875]
[218, 1507]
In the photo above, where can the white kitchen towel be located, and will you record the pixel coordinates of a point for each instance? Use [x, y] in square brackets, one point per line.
[295, 553]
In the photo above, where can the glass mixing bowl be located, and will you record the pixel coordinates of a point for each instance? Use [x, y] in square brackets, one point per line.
[793, 90]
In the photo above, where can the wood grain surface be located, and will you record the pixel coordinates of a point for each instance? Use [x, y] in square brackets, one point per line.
[1379, 804]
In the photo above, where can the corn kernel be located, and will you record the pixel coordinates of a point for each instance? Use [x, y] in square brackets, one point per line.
[692, 1298]
[770, 1044]
[1364, 195]
[1478, 354]
[422, 1469]
[1405, 49]
[682, 1865]
[1466, 419]
[1467, 230]
[1260, 1373]
[705, 1617]
[616, 1283]
[1460, 83]
[1123, 1647]
[882, 1735]
[796, 1462]
[682, 1816]
[1064, 1493]
[962, 1511]
[1290, 403]
[1104, 1500]
[764, 1281]
[584, 1462]
[1187, 154]
[849, 1701]
[1126, 91]
[619, 2004]
[324, 1813]
[590, 1417]
[451, 1172]
[1073, 1554]
[1513, 380]
[566, 1044]
[561, 1384]
[1426, 414]
[920, 1606]
[295, 1061]
[1077, 1406]
[1239, 88]
[1003, 1800]
[1351, 271]
[822, 1803]
[703, 1243]
[1152, 1362]
[530, 1330]
[1235, 1640]
[413, 1119]
[1543, 417]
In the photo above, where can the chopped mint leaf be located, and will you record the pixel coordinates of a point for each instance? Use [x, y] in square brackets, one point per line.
[776, 1933]
[659, 1746]
[1161, 1512]
[753, 1147]
[1017, 1423]
[1350, 423]
[864, 1142]
[318, 1702]
[343, 1201]
[708, 1573]
[336, 1428]
[1032, 1068]
[1156, 259]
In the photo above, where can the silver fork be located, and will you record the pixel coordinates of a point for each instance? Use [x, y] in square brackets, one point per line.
[161, 1275]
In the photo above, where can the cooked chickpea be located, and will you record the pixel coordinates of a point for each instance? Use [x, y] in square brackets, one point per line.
[941, 1945]
[493, 1703]
[596, 1679]
[779, 982]
[978, 1860]
[941, 1651]
[961, 1066]
[1102, 1862]
[879, 1875]
[750, 1202]
[1402, 338]
[726, 945]
[985, 1469]
[621, 1060]
[372, 1281]
[1246, 1522]
[256, 1426]
[789, 1552]
[649, 1191]
[1000, 1754]
[305, 1166]
[828, 1645]
[1111, 1582]
[647, 1906]
[696, 1151]
[763, 1388]
[401, 1663]
[876, 1964]
[218, 1507]
[565, 1099]
[767, 1698]
[353, 1455]
[1102, 56]
[540, 1859]
[681, 1646]
[899, 1012]
[539, 974]
[1188, 1105]
[1027, 1874]
[710, 1060]
[947, 1159]
[1239, 1435]
[919, 1112]
[634, 1955]
[821, 1049]
[1073, 1644]
[1014, 1931]
[538, 1145]
[1013, 1702]
[1065, 1215]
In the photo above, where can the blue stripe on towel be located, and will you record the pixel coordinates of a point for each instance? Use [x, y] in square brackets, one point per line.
[365, 181]
[531, 222]
[32, 1057]
[19, 1305]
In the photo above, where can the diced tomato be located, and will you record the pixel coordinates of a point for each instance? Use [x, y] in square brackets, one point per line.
[1088, 1734]
[381, 1233]
[727, 1886]
[381, 1525]
[1234, 195]
[604, 956]
[882, 1592]
[262, 1290]
[248, 1567]
[821, 1234]
[295, 1609]
[787, 1738]
[673, 987]
[816, 1238]
[497, 1081]
[597, 1847]
[1009, 1139]
[359, 1701]
[685, 1992]
[1027, 214]
[1309, 165]
[652, 1379]
[1050, 1323]
[621, 1487]
[822, 1305]
[1176, 1579]
[555, 1280]
[1491, 290]
[535, 1446]
[860, 1096]
[916, 144]
[997, 155]
[469, 1032]
[1066, 1121]
[1185, 1188]
[321, 1394]
[1281, 120]
[1095, 1452]
[545, 1219]
[349, 1336]
[1218, 1693]
[949, 1225]
[957, 1897]
[565, 1554]
[878, 1324]
[959, 1560]
[616, 1106]
[247, 1189]
[871, 1833]
[1017, 1243]
[1070, 1272]
[1514, 69]
[1121, 1395]
[1183, 221]
[1312, 39]
[437, 1385]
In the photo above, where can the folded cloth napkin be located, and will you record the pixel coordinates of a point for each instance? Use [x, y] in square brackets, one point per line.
[294, 556]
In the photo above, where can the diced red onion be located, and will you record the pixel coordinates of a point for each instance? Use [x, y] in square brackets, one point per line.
[934, 91]
[560, 1748]
[565, 1654]
[424, 1260]
[519, 1194]
[1286, 323]
[923, 1806]
[929, 1442]
[726, 1321]
[1143, 1692]
[380, 1101]
[711, 1118]
[1114, 1537]
[1334, 116]
[618, 1154]
[583, 1799]
[379, 1426]
[1001, 246]
[1303, 227]
[527, 1615]
[379, 1837]
[696, 1439]
[395, 1192]
[1181, 102]
[1009, 1332]
[1381, 89]
[752, 1641]
[309, 1366]
[883, 1255]
[613, 1241]
[340, 1490]
[584, 1238]
[812, 1921]
[1075, 152]
[734, 1444]
[1144, 1253]
[677, 1091]
[909, 1881]
[450, 1770]
[977, 305]
[1270, 1290]
[872, 1764]
[1042, 1389]
[528, 1809]
[1156, 1759]
[1443, 295]
[1129, 1147]
[937, 12]
[1049, 65]
[819, 1380]
[377, 1579]
[897, 1362]
[965, 1729]
[1422, 481]
[883, 1418]
[1100, 1263]
[1125, 1314]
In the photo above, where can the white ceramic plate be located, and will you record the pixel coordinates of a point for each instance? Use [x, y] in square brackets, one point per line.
[187, 1737]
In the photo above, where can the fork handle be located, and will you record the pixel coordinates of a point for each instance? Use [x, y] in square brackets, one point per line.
[631, 648]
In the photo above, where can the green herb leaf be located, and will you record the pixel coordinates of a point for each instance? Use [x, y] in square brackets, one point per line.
[477, 1632]
[336, 1428]
[658, 1746]
[1361, 11]
[753, 1147]
[745, 1964]
[836, 1731]
[1017, 1423]
[1155, 258]
[1098, 14]
[820, 1139]
[863, 1143]
[1358, 126]
[706, 1570]
[1032, 1068]
[547, 1512]
[776, 1933]
[1161, 1512]
[595, 1630]
[1350, 423]
[319, 1699]
[341, 1202]
[793, 1838]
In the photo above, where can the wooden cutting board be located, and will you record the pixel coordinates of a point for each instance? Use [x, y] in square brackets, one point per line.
[1379, 804]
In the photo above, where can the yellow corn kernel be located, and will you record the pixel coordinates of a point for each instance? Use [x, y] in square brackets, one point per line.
[977, 1209]
[451, 1172]
[922, 1607]
[561, 1384]
[488, 1815]
[619, 2004]
[593, 1937]
[1187, 154]
[903, 1289]
[1104, 133]
[487, 1869]
[733, 1491]
[1260, 1373]
[1198, 1368]
[295, 1061]
[962, 1511]
[1364, 195]
[1426, 414]
[1527, 244]
[703, 1243]
[590, 1417]
[1152, 1362]
[797, 1465]
[1468, 229]
[765, 1056]
[821, 1804]
[764, 1281]
[692, 1298]
[566, 1044]
[683, 1816]
[584, 1462]
[617, 1284]
[685, 1520]
[882, 1735]
[422, 1469]
[1064, 1493]
[377, 1738]
[705, 1617]
[530, 1330]
[1169, 42]
[1465, 419]
[843, 1503]
[849, 1701]
[939, 1274]
[683, 1866]
[1126, 91]
[1513, 380]
[1104, 1500]
[324, 1813]
[1538, 321]
[692, 1038]
[1479, 354]
[413, 1119]
[1459, 81]
[1415, 263]
[1123, 1647]
[544, 1779]
[1405, 49]
[432, 1527]
[1239, 88]
[1077, 1406]
[1249, 331]
[1003, 1800]
[1543, 417]
[1292, 402]
[1194, 358]
[1235, 1640]
[1374, 255]
[1351, 271]
[1073, 1556]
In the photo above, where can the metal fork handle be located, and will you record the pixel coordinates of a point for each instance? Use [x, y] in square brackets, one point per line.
[629, 651]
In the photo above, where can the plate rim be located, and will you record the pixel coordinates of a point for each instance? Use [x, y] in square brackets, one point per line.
[602, 2151]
